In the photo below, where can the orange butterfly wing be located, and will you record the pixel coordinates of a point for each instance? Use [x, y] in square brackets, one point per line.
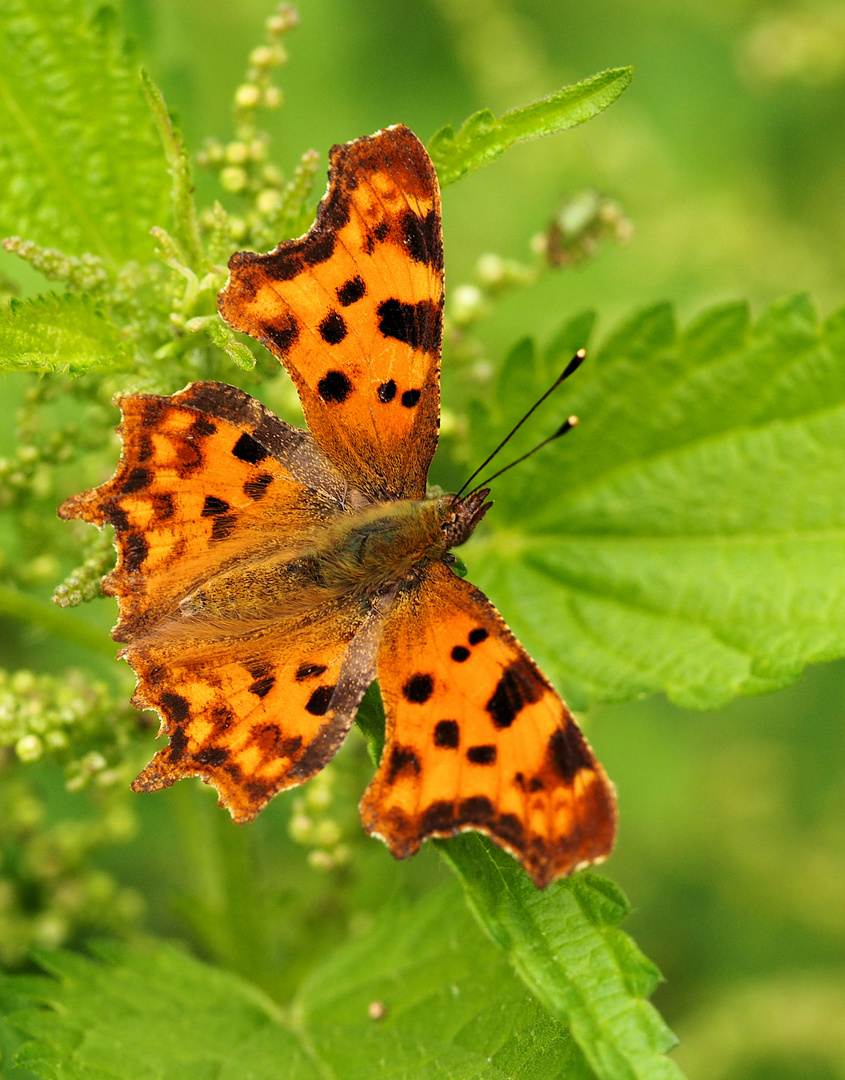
[255, 695]
[354, 311]
[478, 739]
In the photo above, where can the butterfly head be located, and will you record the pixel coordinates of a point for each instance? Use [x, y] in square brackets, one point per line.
[462, 516]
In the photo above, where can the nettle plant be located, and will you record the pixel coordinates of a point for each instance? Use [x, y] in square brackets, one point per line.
[692, 552]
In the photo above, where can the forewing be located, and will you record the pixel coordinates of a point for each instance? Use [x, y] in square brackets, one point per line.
[478, 739]
[207, 478]
[354, 312]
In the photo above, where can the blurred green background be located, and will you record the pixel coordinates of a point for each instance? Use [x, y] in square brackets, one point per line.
[728, 157]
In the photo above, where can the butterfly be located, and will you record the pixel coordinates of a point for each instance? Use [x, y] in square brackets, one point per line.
[266, 575]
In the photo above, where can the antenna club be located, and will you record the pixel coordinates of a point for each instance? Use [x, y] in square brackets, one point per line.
[573, 365]
[573, 421]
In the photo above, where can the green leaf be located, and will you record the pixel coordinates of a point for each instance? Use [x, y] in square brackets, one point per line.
[81, 168]
[58, 333]
[223, 337]
[564, 944]
[482, 138]
[185, 224]
[689, 535]
[451, 1008]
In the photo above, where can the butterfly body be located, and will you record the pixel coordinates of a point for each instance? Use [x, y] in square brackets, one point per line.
[266, 576]
[382, 545]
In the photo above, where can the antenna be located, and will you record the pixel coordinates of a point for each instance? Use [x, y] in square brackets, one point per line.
[567, 425]
[573, 365]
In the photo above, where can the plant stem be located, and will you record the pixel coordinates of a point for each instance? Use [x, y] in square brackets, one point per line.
[45, 616]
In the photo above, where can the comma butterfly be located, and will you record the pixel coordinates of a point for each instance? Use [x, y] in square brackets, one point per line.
[267, 575]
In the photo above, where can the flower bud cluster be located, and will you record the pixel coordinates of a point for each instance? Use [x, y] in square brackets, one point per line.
[27, 473]
[50, 894]
[313, 825]
[83, 583]
[242, 164]
[58, 718]
[83, 273]
[580, 225]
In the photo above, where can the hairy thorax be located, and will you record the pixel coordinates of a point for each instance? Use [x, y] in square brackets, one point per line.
[360, 553]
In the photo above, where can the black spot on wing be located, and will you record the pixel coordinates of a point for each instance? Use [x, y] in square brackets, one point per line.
[438, 817]
[318, 703]
[214, 506]
[135, 550]
[410, 398]
[447, 734]
[333, 328]
[262, 687]
[482, 755]
[402, 759]
[351, 291]
[478, 635]
[223, 526]
[517, 687]
[387, 391]
[283, 334]
[418, 325]
[418, 689]
[309, 671]
[568, 751]
[460, 653]
[175, 707]
[201, 428]
[334, 387]
[137, 480]
[163, 505]
[178, 744]
[290, 746]
[211, 755]
[477, 810]
[422, 238]
[247, 449]
[256, 489]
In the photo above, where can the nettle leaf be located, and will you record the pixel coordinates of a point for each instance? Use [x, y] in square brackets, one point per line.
[81, 166]
[58, 333]
[451, 1008]
[689, 535]
[565, 945]
[484, 137]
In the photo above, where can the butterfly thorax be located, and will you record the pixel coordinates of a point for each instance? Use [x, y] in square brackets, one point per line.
[382, 544]
[387, 543]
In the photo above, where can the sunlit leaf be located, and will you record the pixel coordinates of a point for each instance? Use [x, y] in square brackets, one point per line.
[565, 944]
[58, 333]
[81, 167]
[689, 535]
[484, 137]
[423, 994]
